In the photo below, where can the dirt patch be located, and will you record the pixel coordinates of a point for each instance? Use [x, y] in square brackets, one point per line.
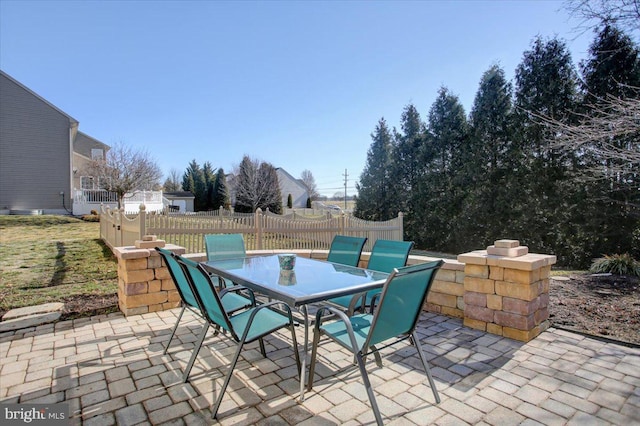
[89, 305]
[605, 306]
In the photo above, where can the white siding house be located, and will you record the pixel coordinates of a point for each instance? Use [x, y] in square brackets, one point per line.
[293, 186]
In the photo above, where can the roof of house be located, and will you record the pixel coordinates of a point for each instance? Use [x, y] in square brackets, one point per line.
[178, 194]
[73, 120]
[297, 181]
[83, 144]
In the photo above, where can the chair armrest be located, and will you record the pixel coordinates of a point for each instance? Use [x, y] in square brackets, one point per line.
[374, 301]
[342, 317]
[238, 289]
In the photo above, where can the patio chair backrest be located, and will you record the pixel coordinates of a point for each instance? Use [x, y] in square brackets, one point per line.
[346, 250]
[388, 255]
[180, 280]
[205, 294]
[403, 296]
[224, 246]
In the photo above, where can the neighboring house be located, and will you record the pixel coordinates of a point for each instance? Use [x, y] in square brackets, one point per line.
[293, 186]
[179, 202]
[288, 185]
[42, 153]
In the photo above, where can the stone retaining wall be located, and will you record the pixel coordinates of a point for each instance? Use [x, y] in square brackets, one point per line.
[505, 293]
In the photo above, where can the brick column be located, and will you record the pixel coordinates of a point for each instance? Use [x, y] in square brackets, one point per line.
[507, 290]
[144, 282]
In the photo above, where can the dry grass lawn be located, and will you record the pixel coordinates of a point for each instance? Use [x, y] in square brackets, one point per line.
[53, 259]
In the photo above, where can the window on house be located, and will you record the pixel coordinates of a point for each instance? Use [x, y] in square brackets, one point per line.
[87, 182]
[97, 154]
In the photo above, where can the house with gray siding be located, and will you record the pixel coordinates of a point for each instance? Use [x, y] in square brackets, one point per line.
[42, 153]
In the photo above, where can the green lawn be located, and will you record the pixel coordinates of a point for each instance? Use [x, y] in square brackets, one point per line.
[52, 259]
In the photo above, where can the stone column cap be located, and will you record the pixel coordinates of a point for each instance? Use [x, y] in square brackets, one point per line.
[528, 262]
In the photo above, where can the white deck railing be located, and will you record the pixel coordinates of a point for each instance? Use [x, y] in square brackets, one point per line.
[85, 200]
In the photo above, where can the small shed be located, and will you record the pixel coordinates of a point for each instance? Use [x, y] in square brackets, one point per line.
[179, 202]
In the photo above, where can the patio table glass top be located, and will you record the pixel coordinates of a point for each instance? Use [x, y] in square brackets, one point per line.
[310, 281]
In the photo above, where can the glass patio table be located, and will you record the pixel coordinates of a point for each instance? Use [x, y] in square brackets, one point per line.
[310, 281]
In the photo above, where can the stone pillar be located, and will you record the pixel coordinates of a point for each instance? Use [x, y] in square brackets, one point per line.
[507, 290]
[144, 282]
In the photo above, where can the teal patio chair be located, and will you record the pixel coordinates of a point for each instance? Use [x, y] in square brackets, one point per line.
[386, 255]
[231, 301]
[395, 318]
[242, 327]
[224, 246]
[346, 250]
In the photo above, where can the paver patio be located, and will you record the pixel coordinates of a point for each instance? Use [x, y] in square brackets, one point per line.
[111, 370]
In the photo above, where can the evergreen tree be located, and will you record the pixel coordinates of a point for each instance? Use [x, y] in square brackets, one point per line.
[438, 194]
[193, 180]
[209, 175]
[612, 71]
[490, 159]
[407, 167]
[546, 85]
[612, 68]
[220, 191]
[375, 188]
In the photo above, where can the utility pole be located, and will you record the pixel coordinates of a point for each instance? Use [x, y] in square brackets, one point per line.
[345, 188]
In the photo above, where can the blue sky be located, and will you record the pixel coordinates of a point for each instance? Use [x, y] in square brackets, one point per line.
[299, 84]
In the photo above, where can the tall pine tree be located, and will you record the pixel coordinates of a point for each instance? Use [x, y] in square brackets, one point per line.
[375, 200]
[208, 173]
[612, 70]
[491, 157]
[407, 167]
[193, 180]
[548, 201]
[220, 191]
[438, 196]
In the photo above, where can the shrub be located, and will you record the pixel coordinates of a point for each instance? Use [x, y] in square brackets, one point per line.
[619, 264]
[91, 218]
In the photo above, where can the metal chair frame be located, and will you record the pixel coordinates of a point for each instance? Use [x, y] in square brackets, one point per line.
[381, 326]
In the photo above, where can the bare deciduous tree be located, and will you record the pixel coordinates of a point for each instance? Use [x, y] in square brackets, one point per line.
[599, 132]
[124, 170]
[255, 186]
[173, 182]
[624, 13]
[310, 184]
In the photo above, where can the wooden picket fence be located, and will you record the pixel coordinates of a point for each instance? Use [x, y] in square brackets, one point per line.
[261, 230]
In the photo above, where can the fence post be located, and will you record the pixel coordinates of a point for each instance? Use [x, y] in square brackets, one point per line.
[401, 226]
[118, 226]
[142, 218]
[343, 219]
[258, 222]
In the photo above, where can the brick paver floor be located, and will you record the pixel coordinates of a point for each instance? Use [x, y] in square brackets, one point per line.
[111, 370]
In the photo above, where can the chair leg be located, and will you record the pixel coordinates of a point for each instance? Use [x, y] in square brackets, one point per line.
[196, 350]
[227, 379]
[262, 349]
[294, 343]
[175, 327]
[367, 385]
[426, 367]
[377, 357]
[314, 352]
